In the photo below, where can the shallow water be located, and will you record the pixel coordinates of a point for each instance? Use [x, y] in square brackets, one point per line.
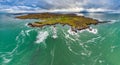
[23, 45]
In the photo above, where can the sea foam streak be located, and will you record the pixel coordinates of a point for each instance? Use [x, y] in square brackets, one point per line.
[113, 21]
[41, 36]
[8, 56]
[6, 60]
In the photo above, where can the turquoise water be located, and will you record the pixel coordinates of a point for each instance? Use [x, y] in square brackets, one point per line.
[23, 45]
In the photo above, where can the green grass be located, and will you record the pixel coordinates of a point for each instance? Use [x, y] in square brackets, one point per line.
[76, 22]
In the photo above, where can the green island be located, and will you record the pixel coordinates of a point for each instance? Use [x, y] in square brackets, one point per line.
[76, 22]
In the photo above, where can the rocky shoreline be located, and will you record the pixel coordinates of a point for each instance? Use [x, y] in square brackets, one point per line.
[48, 19]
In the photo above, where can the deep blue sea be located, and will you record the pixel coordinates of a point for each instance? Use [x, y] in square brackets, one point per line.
[23, 45]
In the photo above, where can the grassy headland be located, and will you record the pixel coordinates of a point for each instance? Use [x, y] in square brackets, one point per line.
[76, 22]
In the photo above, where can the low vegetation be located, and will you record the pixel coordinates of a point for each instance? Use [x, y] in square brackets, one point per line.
[76, 22]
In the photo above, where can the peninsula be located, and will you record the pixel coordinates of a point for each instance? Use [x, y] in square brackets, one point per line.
[76, 22]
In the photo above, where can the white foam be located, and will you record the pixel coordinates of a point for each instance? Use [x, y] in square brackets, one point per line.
[101, 61]
[55, 36]
[27, 31]
[54, 33]
[26, 25]
[81, 31]
[71, 50]
[112, 48]
[23, 33]
[68, 36]
[41, 36]
[6, 60]
[21, 36]
[93, 39]
[91, 30]
[72, 32]
[17, 37]
[83, 54]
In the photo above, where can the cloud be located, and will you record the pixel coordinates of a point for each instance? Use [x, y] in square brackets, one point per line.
[60, 5]
[19, 9]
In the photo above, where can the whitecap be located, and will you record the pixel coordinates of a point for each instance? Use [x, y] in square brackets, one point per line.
[101, 61]
[54, 33]
[81, 31]
[84, 54]
[55, 36]
[91, 30]
[71, 32]
[41, 36]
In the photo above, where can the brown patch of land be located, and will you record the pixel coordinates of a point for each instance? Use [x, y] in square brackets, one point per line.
[76, 22]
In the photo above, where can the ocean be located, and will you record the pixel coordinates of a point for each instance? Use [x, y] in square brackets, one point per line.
[23, 45]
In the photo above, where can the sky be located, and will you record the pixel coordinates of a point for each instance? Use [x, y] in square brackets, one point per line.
[59, 5]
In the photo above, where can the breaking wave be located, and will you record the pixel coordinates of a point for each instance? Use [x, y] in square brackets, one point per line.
[54, 33]
[41, 36]
[71, 32]
[90, 30]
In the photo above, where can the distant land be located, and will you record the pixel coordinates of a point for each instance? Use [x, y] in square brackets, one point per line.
[76, 22]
